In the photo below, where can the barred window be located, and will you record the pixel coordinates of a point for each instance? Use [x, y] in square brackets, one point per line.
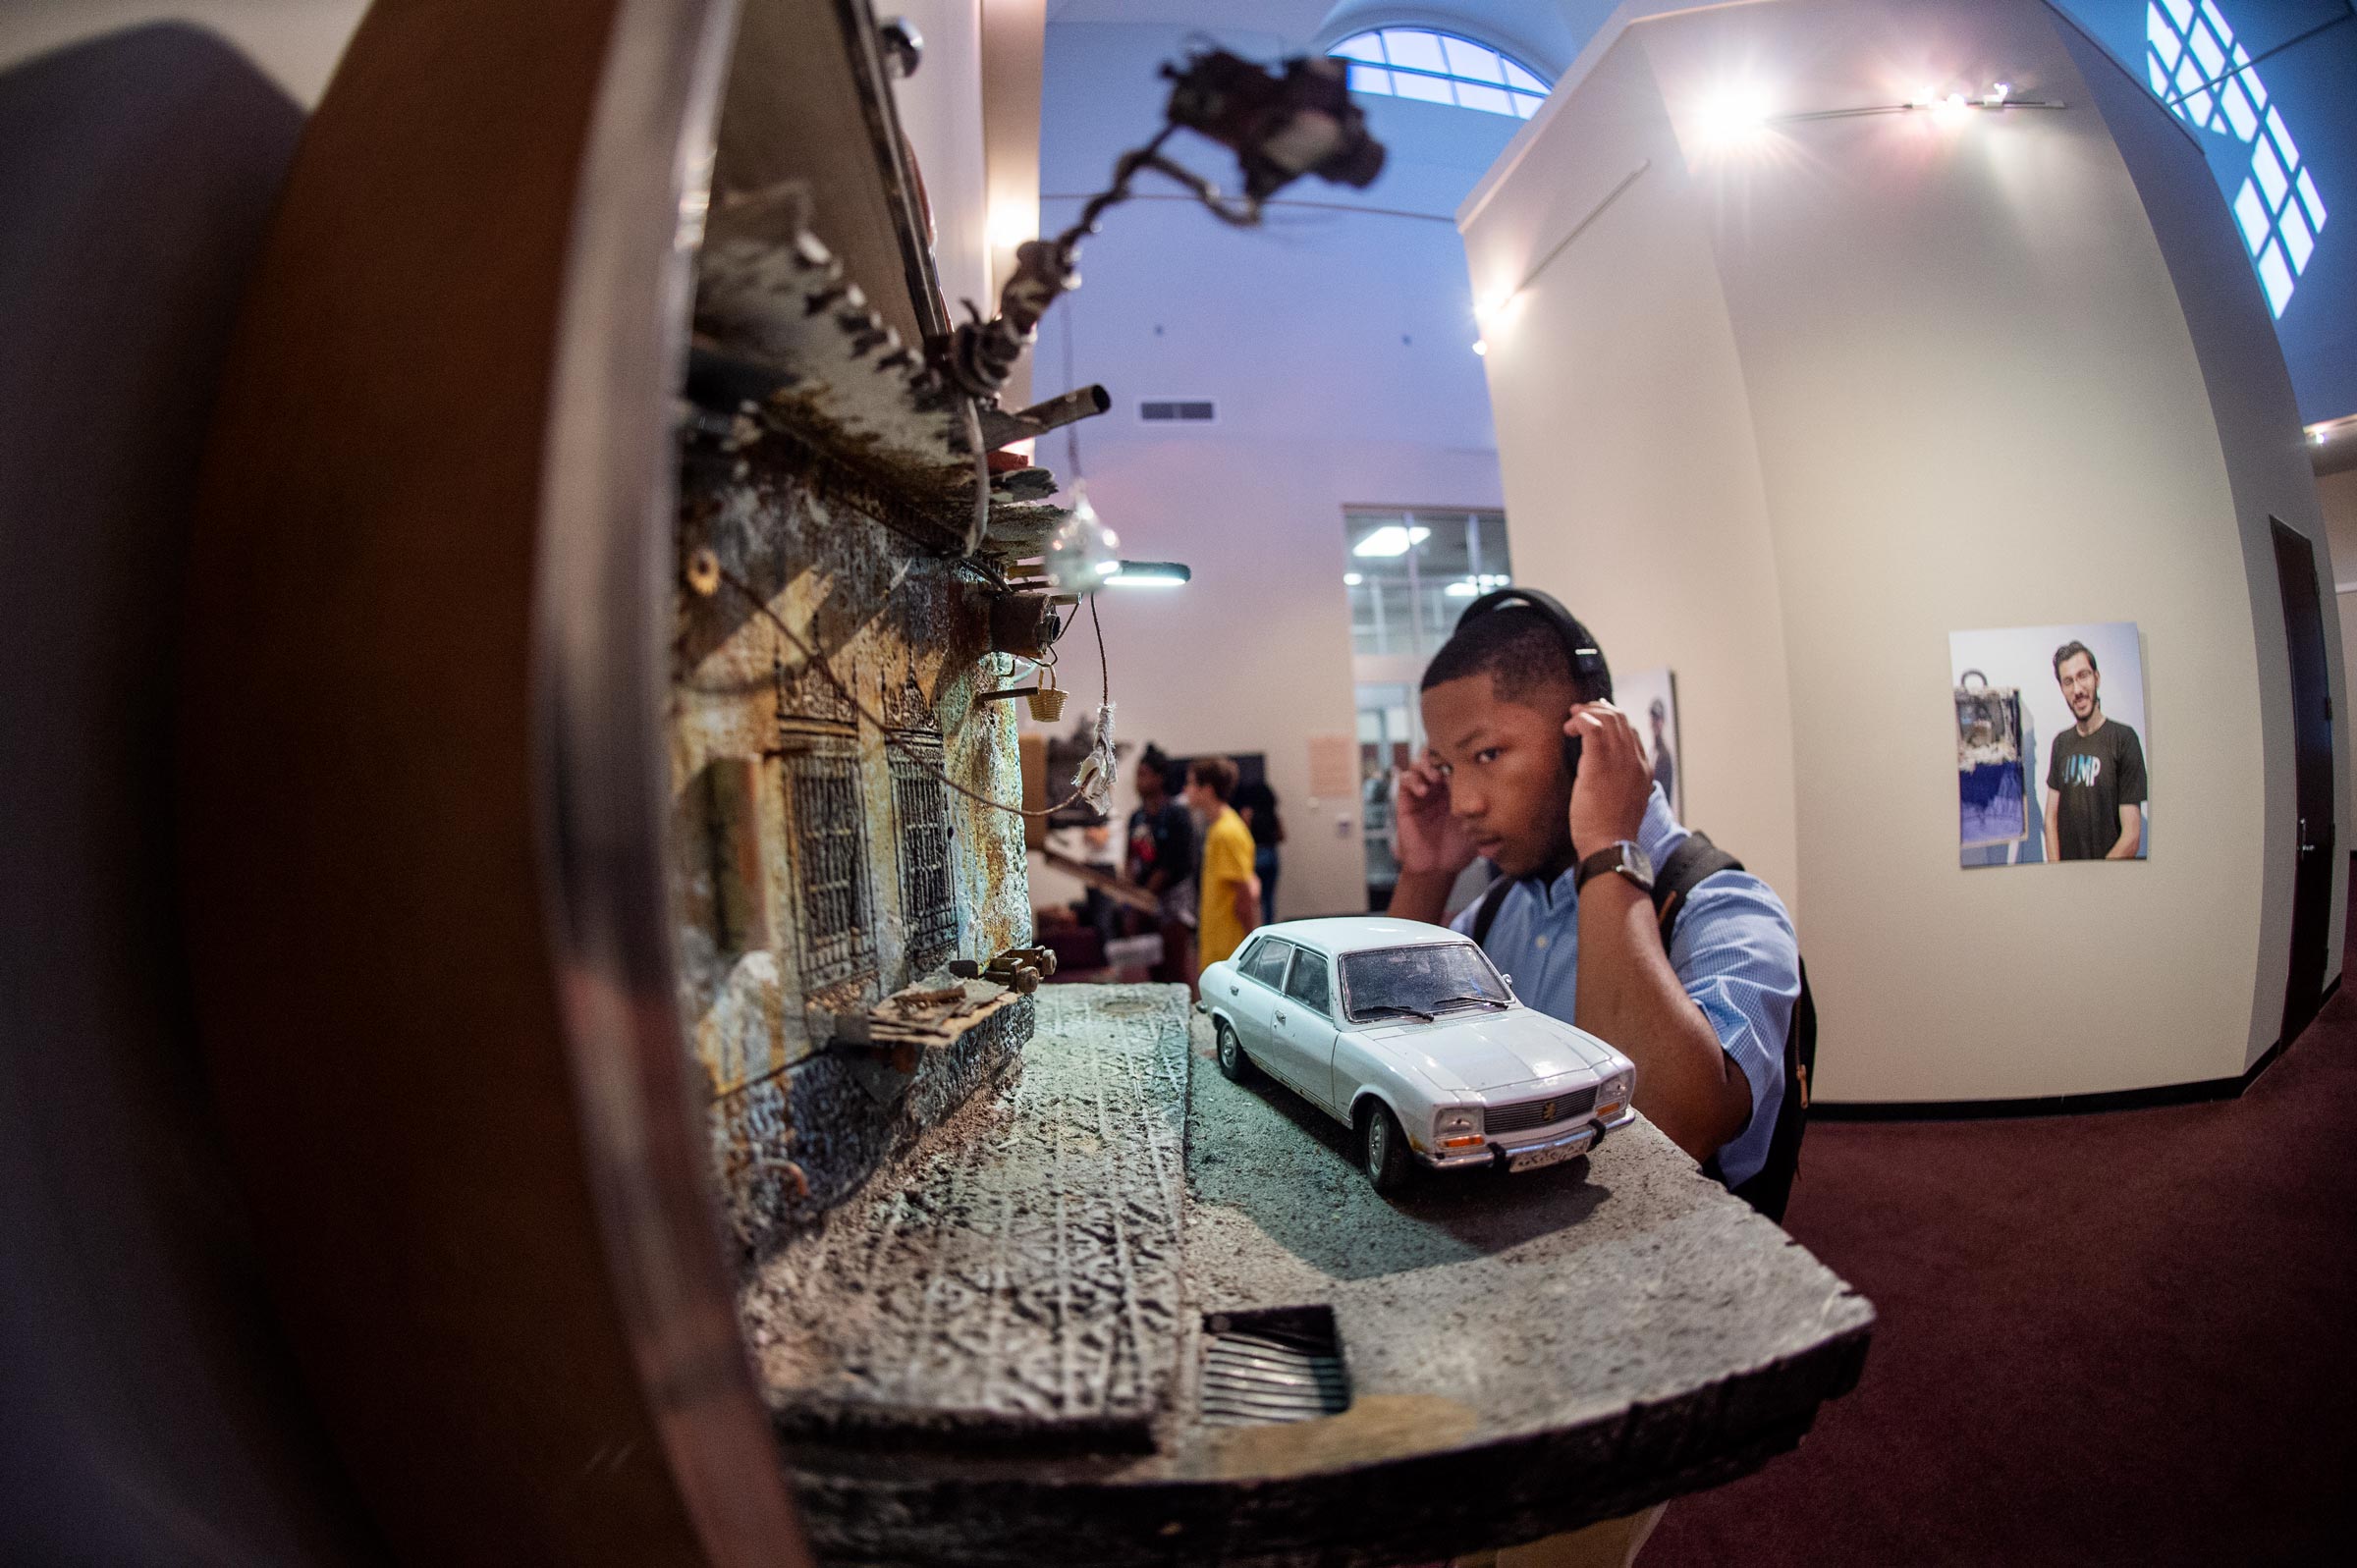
[928, 900]
[838, 927]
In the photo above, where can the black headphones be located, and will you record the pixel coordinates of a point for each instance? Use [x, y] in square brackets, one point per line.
[1591, 676]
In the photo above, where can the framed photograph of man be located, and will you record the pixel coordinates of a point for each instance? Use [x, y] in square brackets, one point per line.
[1650, 699]
[2051, 753]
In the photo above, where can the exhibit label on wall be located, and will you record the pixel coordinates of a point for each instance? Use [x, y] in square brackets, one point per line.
[2051, 755]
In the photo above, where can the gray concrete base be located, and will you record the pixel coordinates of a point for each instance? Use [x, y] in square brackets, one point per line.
[1526, 1354]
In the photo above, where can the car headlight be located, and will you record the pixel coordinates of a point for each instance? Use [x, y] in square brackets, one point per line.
[1457, 1127]
[1611, 1096]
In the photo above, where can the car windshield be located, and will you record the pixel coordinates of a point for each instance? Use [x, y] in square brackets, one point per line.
[1425, 980]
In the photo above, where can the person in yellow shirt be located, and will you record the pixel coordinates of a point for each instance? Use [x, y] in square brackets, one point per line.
[1230, 893]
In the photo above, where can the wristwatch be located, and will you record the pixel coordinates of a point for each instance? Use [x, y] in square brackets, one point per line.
[1626, 858]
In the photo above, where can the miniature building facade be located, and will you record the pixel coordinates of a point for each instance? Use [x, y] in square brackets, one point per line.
[823, 860]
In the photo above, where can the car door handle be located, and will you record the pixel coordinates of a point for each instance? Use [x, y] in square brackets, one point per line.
[1236, 991]
[1280, 1017]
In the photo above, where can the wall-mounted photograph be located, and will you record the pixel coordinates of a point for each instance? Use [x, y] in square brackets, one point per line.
[2049, 744]
[1650, 699]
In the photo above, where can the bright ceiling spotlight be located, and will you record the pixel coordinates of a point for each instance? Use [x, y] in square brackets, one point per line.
[1391, 540]
[1493, 311]
[1011, 226]
[1736, 113]
[1351, 579]
[1481, 345]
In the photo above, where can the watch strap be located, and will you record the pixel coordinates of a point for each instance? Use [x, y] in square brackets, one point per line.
[1621, 856]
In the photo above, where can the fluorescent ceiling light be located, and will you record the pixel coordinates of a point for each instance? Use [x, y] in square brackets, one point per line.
[1391, 540]
[1147, 574]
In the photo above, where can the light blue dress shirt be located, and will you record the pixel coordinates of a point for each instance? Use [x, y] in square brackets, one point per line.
[1734, 951]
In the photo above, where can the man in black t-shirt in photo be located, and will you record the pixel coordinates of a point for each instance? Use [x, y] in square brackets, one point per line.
[2094, 779]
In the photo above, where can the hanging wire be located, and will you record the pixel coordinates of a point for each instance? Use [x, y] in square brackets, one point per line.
[893, 736]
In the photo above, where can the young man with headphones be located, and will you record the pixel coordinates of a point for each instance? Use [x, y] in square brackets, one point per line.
[1530, 766]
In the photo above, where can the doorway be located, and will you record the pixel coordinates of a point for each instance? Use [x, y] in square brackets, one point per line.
[2311, 750]
[1411, 573]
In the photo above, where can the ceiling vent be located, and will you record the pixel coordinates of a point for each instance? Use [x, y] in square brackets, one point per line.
[1179, 410]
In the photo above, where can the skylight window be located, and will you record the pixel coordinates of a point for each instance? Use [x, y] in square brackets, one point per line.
[2206, 79]
[1439, 67]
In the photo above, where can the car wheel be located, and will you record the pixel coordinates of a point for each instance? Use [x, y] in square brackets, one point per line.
[1235, 1065]
[1383, 1149]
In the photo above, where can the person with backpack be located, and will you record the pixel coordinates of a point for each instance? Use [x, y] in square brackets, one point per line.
[1607, 911]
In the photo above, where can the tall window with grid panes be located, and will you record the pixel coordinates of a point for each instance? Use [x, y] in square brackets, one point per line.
[1411, 573]
[2206, 77]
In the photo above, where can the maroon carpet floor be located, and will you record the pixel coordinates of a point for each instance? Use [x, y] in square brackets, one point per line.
[2118, 1338]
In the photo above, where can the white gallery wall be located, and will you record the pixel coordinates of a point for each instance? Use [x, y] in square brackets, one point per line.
[1784, 408]
[2337, 496]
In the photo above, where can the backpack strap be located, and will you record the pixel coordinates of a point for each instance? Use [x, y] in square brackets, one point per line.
[1485, 916]
[1771, 1189]
[1673, 880]
[1677, 875]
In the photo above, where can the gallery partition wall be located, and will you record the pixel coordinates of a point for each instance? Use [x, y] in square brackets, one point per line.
[1822, 332]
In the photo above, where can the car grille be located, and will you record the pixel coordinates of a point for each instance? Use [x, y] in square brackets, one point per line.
[1540, 1112]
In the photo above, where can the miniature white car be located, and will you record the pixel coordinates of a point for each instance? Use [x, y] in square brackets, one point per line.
[1409, 1036]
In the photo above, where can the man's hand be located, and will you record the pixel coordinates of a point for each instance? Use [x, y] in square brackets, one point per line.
[1429, 838]
[1628, 993]
[1432, 844]
[1608, 796]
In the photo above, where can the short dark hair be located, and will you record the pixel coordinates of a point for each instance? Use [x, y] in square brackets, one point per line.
[1156, 762]
[1519, 648]
[2071, 649]
[1215, 774]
